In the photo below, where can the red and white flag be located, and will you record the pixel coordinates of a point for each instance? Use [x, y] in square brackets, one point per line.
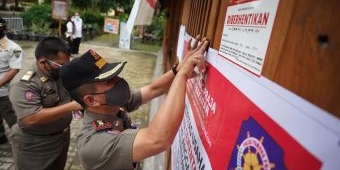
[141, 13]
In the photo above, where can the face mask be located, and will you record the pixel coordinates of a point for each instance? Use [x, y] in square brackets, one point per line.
[2, 34]
[54, 72]
[118, 95]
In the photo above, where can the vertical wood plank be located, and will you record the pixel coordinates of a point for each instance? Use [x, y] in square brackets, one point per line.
[277, 39]
[220, 23]
[307, 67]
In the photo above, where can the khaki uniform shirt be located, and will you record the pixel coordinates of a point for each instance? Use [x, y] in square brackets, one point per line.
[30, 91]
[111, 147]
[11, 56]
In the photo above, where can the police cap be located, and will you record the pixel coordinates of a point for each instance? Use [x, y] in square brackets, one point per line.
[89, 67]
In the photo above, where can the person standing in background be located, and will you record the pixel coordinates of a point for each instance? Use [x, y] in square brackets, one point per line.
[11, 56]
[78, 23]
[70, 31]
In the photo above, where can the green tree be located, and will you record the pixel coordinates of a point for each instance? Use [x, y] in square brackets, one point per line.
[37, 19]
[103, 5]
[82, 4]
[37, 14]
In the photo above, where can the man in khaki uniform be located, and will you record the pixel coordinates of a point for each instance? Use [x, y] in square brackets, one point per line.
[44, 110]
[11, 56]
[107, 140]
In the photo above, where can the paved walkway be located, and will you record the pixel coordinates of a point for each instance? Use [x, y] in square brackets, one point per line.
[139, 71]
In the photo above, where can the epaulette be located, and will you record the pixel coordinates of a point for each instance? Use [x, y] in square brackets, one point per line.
[43, 79]
[27, 76]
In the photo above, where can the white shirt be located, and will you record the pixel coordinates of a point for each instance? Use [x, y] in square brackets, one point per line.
[11, 56]
[78, 23]
[69, 31]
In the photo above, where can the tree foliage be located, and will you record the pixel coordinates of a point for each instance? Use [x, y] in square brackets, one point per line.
[82, 4]
[37, 14]
[103, 6]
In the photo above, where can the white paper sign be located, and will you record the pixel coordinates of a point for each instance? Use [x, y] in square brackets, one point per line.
[124, 37]
[246, 33]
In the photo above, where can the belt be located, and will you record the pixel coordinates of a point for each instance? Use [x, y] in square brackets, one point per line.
[48, 134]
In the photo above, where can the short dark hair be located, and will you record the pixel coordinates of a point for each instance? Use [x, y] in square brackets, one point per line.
[79, 93]
[49, 48]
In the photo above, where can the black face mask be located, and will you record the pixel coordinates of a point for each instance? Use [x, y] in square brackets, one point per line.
[118, 95]
[2, 34]
[55, 73]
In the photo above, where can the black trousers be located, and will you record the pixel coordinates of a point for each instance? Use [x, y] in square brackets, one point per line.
[76, 44]
[7, 113]
[70, 43]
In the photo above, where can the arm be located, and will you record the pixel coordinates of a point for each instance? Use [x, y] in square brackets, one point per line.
[157, 87]
[14, 62]
[163, 128]
[47, 115]
[69, 31]
[162, 84]
[8, 76]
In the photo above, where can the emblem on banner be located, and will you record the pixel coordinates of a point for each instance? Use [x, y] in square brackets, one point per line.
[255, 149]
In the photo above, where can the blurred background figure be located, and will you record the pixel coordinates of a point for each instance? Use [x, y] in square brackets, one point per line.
[11, 56]
[70, 32]
[78, 23]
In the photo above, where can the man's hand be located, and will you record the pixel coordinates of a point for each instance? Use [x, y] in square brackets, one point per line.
[194, 59]
[75, 105]
[192, 49]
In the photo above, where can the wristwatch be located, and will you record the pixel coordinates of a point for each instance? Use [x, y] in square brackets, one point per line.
[174, 68]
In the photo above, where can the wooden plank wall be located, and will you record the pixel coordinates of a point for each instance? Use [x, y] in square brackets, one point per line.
[310, 57]
[304, 49]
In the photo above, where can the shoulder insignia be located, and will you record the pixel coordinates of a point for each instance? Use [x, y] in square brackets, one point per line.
[27, 76]
[17, 53]
[100, 125]
[43, 79]
[117, 127]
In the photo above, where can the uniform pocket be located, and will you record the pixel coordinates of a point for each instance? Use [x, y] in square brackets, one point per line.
[50, 100]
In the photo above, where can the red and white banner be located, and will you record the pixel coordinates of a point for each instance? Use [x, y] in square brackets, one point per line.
[236, 120]
[141, 13]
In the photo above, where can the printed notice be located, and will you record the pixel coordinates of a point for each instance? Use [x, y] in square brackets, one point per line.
[111, 25]
[246, 33]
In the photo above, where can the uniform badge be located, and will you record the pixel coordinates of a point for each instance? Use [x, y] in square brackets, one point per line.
[27, 76]
[30, 95]
[17, 53]
[77, 114]
[99, 125]
[43, 79]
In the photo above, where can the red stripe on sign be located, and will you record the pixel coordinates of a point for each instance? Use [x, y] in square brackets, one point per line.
[237, 2]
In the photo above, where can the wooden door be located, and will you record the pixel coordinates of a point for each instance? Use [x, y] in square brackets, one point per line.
[310, 58]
